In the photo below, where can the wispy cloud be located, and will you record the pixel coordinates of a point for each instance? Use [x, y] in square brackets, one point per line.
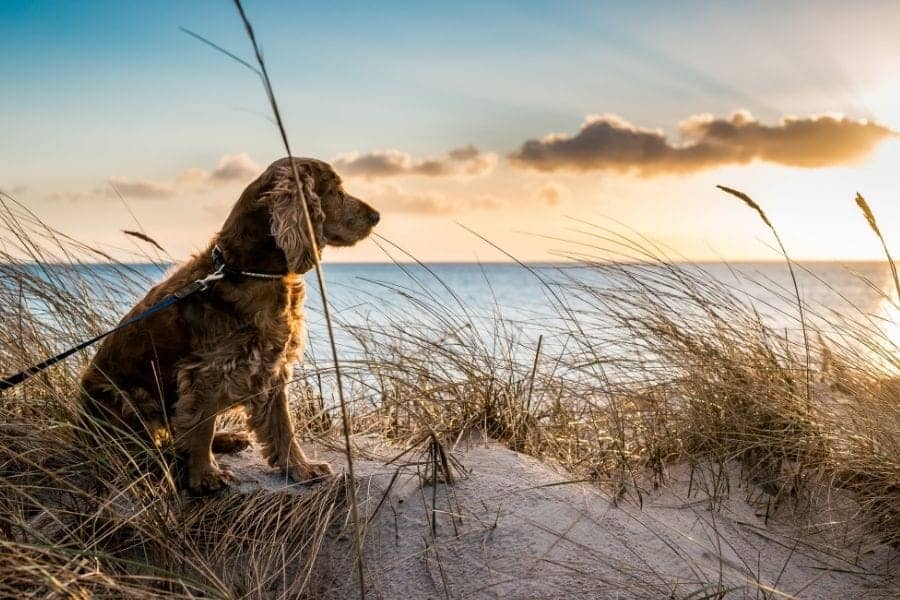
[552, 193]
[610, 142]
[391, 198]
[140, 188]
[235, 167]
[14, 190]
[231, 168]
[467, 160]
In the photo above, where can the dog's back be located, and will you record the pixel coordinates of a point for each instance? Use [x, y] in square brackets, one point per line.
[131, 381]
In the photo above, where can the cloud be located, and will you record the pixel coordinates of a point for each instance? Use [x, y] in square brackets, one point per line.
[431, 203]
[193, 177]
[465, 153]
[235, 167]
[231, 168]
[484, 202]
[14, 190]
[140, 188]
[552, 193]
[608, 142]
[78, 196]
[467, 160]
[389, 198]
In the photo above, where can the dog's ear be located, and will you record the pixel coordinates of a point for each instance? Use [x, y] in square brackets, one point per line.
[288, 223]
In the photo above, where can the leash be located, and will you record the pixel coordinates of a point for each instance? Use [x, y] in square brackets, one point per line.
[187, 291]
[220, 271]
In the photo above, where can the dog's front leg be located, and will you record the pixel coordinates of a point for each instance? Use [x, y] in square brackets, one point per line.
[270, 420]
[193, 426]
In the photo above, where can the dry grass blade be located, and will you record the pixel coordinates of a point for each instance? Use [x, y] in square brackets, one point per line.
[311, 235]
[230, 55]
[873, 224]
[762, 215]
[143, 237]
[749, 202]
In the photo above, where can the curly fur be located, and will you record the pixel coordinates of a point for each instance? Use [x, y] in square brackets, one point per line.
[233, 345]
[288, 221]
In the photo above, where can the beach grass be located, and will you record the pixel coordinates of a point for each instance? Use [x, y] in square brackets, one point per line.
[643, 364]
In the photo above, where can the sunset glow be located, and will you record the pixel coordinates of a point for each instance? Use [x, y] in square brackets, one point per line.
[503, 119]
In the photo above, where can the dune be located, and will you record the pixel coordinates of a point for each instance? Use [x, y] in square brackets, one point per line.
[512, 526]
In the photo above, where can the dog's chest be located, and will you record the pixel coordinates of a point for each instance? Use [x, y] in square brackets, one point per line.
[295, 322]
[281, 326]
[257, 350]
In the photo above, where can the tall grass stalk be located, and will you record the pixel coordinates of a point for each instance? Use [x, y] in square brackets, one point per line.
[762, 215]
[345, 417]
[873, 224]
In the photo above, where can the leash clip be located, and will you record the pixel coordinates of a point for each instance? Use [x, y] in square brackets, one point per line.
[200, 285]
[214, 276]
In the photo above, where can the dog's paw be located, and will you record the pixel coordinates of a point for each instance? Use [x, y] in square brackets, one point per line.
[210, 480]
[230, 442]
[310, 470]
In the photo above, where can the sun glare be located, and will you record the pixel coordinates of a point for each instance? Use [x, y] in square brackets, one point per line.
[888, 319]
[884, 103]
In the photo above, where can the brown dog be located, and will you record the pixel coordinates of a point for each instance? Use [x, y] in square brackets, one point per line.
[235, 343]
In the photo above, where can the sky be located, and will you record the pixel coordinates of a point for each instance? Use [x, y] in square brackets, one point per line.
[525, 122]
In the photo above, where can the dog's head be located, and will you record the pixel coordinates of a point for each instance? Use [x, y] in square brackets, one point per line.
[338, 219]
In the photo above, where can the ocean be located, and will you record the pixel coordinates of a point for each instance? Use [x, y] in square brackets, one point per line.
[542, 300]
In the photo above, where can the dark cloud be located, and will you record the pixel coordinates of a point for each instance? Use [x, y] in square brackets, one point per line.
[609, 142]
[392, 163]
[373, 164]
[465, 153]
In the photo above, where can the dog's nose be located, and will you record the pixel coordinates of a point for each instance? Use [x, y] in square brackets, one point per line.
[374, 217]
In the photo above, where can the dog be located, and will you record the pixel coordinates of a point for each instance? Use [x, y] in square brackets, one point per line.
[234, 344]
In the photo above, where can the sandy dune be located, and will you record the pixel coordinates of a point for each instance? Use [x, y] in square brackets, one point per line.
[518, 528]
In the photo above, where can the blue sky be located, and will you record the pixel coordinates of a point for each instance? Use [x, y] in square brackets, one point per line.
[114, 90]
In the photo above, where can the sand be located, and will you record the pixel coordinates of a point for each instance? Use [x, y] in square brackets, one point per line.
[516, 527]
